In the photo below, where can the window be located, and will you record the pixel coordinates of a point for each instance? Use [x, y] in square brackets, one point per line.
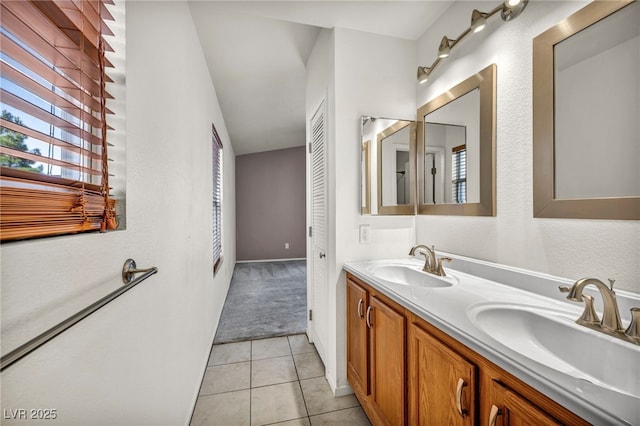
[459, 174]
[217, 199]
[53, 149]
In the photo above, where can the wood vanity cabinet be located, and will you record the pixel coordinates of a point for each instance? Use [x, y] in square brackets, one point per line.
[358, 340]
[508, 408]
[406, 371]
[442, 384]
[376, 353]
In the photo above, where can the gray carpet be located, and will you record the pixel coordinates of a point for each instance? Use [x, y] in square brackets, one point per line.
[265, 299]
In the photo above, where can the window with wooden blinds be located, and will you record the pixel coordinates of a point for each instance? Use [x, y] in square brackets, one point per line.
[53, 149]
[217, 199]
[459, 174]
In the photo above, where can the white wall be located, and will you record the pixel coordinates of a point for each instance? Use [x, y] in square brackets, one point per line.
[372, 75]
[319, 88]
[566, 248]
[140, 359]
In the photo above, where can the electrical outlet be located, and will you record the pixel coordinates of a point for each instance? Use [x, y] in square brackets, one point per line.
[365, 234]
[286, 246]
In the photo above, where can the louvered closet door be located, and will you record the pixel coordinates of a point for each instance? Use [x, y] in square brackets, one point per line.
[318, 287]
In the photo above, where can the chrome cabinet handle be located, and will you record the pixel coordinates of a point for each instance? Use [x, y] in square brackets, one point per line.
[360, 313]
[461, 384]
[369, 317]
[493, 415]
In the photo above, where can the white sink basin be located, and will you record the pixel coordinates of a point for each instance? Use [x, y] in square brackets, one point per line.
[408, 275]
[552, 338]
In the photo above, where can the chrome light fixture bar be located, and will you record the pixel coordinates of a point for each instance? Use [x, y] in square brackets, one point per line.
[509, 9]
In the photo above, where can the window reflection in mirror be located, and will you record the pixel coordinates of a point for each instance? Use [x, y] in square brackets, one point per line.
[456, 149]
[451, 137]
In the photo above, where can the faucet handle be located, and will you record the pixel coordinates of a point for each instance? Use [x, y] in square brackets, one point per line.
[589, 316]
[440, 269]
[611, 283]
[564, 289]
[633, 331]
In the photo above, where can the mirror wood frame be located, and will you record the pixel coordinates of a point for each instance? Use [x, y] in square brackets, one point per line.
[485, 80]
[545, 205]
[407, 209]
[366, 187]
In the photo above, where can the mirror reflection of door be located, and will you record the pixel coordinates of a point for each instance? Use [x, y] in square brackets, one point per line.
[434, 175]
[395, 167]
[402, 177]
[445, 171]
[388, 164]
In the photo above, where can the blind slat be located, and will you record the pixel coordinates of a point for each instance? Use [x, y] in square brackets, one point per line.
[37, 112]
[217, 197]
[48, 139]
[75, 24]
[46, 94]
[48, 160]
[27, 60]
[54, 66]
[47, 47]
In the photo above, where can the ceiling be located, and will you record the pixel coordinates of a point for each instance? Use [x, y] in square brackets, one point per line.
[256, 52]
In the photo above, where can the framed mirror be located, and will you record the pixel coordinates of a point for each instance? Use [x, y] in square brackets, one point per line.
[586, 109]
[456, 149]
[388, 166]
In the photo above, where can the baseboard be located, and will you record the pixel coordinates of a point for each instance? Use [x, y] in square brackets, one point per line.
[270, 260]
[339, 390]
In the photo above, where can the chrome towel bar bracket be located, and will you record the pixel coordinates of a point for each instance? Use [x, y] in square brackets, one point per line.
[129, 270]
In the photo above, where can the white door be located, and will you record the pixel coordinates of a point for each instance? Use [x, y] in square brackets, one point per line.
[317, 285]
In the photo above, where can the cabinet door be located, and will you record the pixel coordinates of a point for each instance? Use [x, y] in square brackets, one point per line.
[511, 409]
[442, 384]
[387, 328]
[357, 339]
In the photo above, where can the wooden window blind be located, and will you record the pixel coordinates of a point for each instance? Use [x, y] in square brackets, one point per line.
[217, 199]
[459, 174]
[53, 149]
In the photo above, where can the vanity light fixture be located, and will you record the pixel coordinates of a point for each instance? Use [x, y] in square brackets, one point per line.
[445, 47]
[512, 8]
[478, 21]
[509, 9]
[423, 74]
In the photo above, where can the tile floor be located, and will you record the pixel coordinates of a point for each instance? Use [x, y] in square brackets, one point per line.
[271, 381]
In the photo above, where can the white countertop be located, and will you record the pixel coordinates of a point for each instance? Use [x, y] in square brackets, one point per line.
[477, 283]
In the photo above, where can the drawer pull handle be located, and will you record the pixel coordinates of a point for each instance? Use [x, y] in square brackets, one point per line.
[461, 384]
[369, 317]
[493, 416]
[360, 313]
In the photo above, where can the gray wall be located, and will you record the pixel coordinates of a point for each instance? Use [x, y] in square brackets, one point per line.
[270, 205]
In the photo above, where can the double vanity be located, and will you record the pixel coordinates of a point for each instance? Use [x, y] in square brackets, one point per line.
[484, 344]
[461, 341]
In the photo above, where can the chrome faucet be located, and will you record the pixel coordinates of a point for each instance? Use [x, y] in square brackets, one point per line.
[610, 314]
[431, 265]
[610, 323]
